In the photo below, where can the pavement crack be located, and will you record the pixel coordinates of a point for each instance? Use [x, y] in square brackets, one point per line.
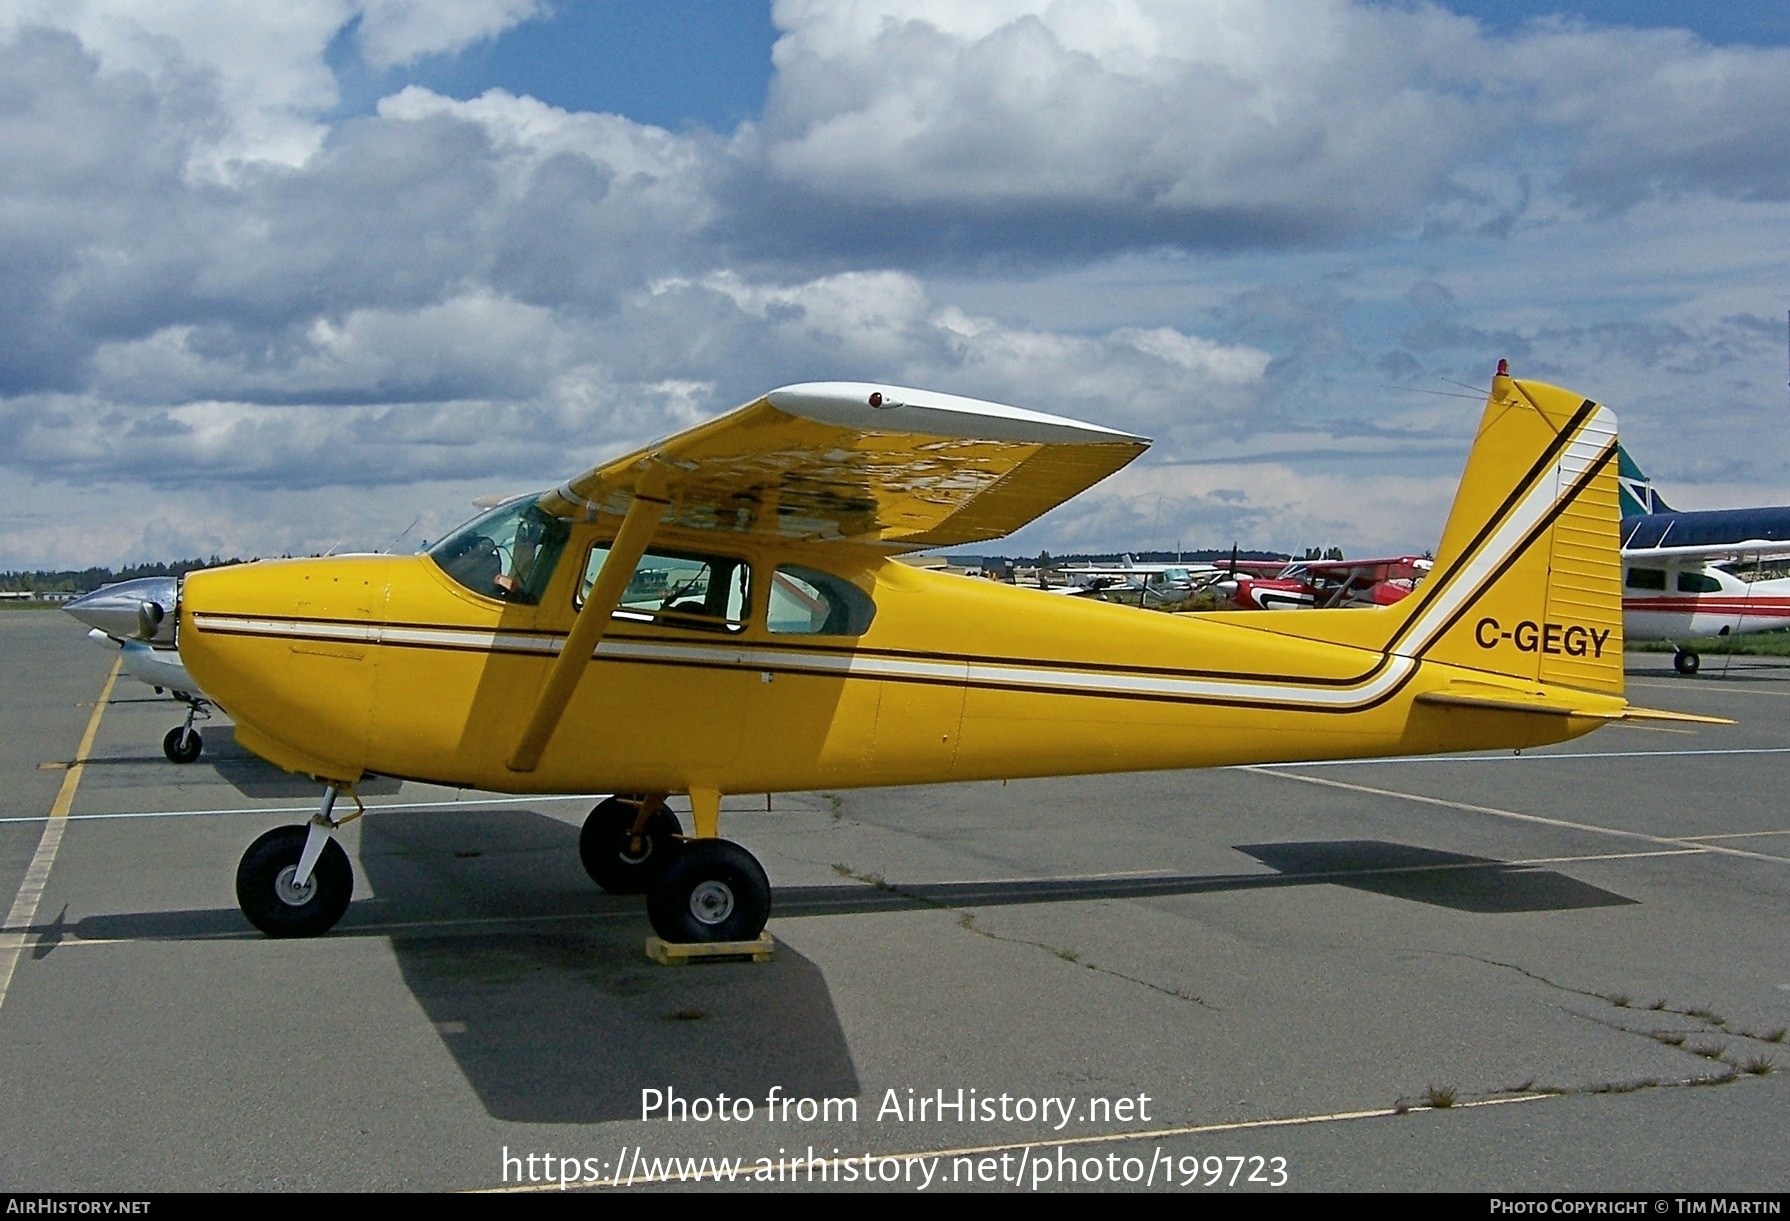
[1710, 1039]
[966, 920]
[1429, 1099]
[1713, 1023]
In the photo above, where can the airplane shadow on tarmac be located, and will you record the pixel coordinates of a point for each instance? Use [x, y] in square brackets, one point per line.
[569, 1024]
[536, 982]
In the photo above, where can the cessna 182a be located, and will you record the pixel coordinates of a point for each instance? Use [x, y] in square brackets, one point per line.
[719, 612]
[1690, 574]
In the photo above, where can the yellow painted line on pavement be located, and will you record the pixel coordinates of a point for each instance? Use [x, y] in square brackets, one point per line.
[37, 875]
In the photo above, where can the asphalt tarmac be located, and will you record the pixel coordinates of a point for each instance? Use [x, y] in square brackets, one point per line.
[1566, 970]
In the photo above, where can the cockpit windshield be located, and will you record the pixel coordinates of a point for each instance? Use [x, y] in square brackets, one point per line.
[508, 553]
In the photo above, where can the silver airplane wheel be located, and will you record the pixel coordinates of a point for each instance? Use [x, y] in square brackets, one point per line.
[712, 903]
[182, 745]
[265, 890]
[713, 891]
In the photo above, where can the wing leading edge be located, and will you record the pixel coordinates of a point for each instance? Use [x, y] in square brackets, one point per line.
[905, 468]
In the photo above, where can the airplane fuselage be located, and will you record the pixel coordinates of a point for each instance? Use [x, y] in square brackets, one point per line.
[1662, 601]
[340, 666]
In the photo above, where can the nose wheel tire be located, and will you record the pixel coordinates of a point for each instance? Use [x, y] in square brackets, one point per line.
[617, 860]
[713, 891]
[265, 890]
[182, 745]
[1686, 661]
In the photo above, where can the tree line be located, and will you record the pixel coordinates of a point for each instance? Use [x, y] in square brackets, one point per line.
[86, 580]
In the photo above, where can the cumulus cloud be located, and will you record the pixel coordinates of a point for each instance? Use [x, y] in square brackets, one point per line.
[1636, 111]
[999, 125]
[266, 62]
[1203, 117]
[214, 279]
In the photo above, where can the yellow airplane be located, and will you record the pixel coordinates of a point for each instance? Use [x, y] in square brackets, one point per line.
[721, 612]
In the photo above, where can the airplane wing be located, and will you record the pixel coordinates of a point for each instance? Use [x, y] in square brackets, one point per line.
[1140, 570]
[846, 460]
[1333, 567]
[1260, 568]
[1713, 553]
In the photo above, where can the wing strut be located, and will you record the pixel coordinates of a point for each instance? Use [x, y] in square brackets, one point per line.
[587, 630]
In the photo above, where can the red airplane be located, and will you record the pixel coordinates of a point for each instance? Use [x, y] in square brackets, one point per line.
[1304, 584]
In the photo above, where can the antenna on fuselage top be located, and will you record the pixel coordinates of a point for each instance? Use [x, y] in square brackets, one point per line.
[406, 530]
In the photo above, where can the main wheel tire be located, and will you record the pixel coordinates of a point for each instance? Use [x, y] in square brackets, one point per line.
[1686, 662]
[714, 891]
[264, 885]
[182, 745]
[610, 854]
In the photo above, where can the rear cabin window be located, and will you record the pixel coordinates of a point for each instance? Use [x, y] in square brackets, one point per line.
[1698, 583]
[678, 589]
[804, 602]
[1646, 578]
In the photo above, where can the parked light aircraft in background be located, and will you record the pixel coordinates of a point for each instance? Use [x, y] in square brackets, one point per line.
[1704, 573]
[720, 612]
[128, 616]
[1319, 584]
[1160, 582]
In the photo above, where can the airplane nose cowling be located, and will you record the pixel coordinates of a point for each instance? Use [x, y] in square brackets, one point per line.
[143, 609]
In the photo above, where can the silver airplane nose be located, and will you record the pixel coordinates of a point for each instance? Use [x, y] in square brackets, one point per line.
[143, 609]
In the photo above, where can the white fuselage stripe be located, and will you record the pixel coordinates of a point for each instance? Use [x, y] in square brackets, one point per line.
[844, 665]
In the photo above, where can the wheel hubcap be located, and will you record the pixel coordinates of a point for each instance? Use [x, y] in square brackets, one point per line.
[290, 895]
[712, 902]
[636, 850]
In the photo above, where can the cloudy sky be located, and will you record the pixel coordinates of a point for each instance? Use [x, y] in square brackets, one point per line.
[287, 277]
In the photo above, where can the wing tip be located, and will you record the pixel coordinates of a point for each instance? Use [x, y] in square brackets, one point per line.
[931, 412]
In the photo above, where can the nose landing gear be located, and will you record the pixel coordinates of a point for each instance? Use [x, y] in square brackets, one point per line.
[183, 743]
[296, 881]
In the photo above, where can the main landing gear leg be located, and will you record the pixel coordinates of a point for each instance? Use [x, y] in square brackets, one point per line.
[713, 890]
[296, 881]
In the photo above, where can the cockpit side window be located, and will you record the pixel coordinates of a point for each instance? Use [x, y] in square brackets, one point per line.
[679, 589]
[1646, 578]
[805, 602]
[508, 553]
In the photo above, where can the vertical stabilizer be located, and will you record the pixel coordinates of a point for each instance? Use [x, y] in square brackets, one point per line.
[1527, 579]
[1639, 498]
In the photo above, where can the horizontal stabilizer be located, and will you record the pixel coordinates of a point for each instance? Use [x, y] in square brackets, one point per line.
[1549, 704]
[1556, 702]
[1660, 714]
